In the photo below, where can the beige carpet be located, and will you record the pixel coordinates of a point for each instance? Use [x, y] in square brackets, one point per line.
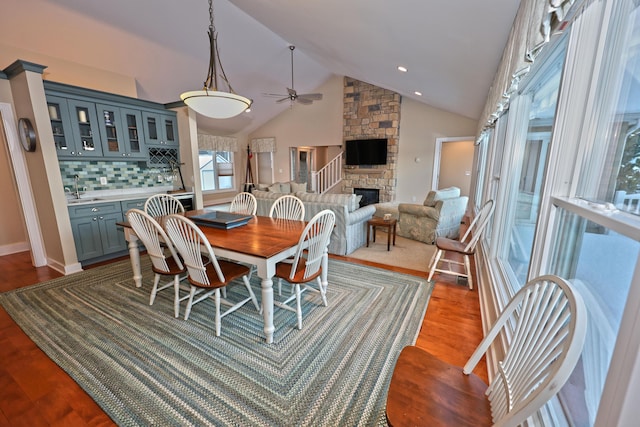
[406, 253]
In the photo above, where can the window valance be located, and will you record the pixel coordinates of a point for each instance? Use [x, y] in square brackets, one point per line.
[217, 143]
[263, 145]
[531, 31]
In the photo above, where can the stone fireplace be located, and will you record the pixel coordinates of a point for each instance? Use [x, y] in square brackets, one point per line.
[371, 112]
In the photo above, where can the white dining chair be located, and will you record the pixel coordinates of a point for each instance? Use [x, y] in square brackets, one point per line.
[307, 262]
[164, 258]
[161, 205]
[464, 247]
[546, 321]
[244, 203]
[287, 207]
[211, 277]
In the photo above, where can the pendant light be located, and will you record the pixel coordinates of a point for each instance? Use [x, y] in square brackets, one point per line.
[211, 101]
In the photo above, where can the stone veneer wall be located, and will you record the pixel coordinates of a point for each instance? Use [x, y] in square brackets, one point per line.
[371, 112]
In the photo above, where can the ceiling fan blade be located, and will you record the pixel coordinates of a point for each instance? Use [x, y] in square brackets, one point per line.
[303, 101]
[283, 99]
[275, 95]
[313, 96]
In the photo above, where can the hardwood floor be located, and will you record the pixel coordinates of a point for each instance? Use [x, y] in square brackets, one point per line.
[34, 391]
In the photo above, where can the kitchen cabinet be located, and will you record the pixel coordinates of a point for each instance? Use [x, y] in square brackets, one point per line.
[95, 231]
[160, 129]
[98, 125]
[75, 127]
[121, 133]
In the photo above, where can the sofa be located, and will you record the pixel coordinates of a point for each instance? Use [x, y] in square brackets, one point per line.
[350, 231]
[439, 216]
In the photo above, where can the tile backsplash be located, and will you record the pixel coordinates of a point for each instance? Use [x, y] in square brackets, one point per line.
[119, 175]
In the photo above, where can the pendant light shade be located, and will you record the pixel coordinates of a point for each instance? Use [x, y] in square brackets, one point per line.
[211, 101]
[215, 104]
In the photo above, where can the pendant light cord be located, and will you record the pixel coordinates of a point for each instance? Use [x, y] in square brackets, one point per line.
[211, 83]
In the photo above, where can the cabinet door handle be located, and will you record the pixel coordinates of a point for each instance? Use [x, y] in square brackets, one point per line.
[101, 217]
[95, 219]
[94, 209]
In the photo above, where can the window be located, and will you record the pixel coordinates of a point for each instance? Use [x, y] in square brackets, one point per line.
[216, 170]
[537, 109]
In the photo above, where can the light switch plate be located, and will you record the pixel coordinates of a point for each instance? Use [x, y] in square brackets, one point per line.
[103, 180]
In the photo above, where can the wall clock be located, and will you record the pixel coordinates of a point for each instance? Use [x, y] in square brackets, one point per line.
[27, 134]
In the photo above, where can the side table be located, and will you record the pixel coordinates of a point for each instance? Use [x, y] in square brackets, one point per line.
[389, 224]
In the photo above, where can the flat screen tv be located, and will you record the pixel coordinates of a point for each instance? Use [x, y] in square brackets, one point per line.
[366, 152]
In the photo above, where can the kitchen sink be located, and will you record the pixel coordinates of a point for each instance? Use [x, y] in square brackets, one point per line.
[75, 201]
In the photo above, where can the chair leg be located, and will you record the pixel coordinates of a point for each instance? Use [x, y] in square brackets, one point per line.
[176, 296]
[298, 306]
[154, 290]
[218, 320]
[467, 269]
[187, 311]
[323, 292]
[434, 263]
[247, 284]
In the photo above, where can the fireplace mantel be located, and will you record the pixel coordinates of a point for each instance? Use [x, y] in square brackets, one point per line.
[365, 171]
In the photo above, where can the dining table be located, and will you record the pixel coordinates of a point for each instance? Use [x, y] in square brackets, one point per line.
[261, 242]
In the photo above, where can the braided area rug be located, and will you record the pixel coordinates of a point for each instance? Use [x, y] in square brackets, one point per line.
[144, 367]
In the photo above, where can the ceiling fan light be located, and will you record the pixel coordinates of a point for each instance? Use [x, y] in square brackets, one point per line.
[216, 104]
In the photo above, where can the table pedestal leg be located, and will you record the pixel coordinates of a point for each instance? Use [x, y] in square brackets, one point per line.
[267, 309]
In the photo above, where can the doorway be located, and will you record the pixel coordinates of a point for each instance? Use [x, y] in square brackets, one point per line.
[302, 164]
[453, 163]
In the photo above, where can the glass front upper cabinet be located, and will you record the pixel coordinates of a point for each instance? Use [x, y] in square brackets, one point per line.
[160, 129]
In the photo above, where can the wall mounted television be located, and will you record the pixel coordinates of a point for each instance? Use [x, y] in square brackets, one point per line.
[366, 152]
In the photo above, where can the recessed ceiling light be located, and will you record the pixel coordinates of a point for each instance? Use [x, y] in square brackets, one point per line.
[401, 68]
[418, 93]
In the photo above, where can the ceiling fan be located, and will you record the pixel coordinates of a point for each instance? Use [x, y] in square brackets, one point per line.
[292, 95]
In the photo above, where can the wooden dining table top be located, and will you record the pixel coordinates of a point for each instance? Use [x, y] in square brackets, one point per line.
[262, 236]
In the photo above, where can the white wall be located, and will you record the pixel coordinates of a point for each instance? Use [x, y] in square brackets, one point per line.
[318, 124]
[420, 126]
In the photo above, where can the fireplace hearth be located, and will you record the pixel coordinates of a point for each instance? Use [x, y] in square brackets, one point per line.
[369, 195]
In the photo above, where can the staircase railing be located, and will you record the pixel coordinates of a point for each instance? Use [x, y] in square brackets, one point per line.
[328, 177]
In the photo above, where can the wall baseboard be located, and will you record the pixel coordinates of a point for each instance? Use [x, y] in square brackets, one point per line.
[14, 248]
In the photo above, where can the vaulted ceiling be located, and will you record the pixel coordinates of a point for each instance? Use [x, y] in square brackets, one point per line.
[450, 48]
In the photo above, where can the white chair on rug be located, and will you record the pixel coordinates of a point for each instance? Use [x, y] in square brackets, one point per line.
[307, 262]
[164, 258]
[464, 247]
[161, 205]
[209, 278]
[547, 321]
[287, 207]
[244, 203]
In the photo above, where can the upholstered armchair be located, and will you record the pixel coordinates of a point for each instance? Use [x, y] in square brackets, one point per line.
[439, 216]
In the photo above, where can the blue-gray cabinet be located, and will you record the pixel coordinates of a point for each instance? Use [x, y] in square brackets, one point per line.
[75, 128]
[94, 125]
[95, 232]
[121, 132]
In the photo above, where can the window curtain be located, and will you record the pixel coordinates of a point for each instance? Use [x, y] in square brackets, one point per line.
[263, 145]
[217, 143]
[532, 28]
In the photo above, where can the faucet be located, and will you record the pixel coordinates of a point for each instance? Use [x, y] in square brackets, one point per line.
[76, 178]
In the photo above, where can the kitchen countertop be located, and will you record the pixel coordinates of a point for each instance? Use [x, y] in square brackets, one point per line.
[120, 195]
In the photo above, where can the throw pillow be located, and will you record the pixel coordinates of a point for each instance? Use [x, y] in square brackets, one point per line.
[275, 188]
[298, 187]
[285, 187]
[358, 200]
